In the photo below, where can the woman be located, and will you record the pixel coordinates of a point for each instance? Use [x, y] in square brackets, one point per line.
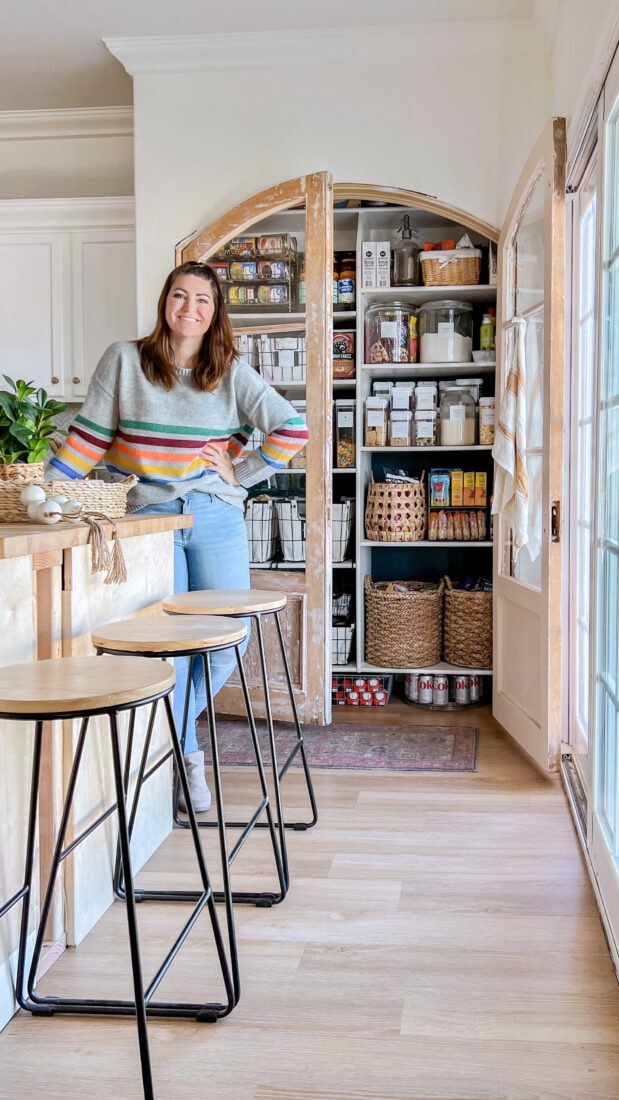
[177, 409]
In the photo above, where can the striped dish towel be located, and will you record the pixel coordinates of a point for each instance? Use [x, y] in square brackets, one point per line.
[511, 486]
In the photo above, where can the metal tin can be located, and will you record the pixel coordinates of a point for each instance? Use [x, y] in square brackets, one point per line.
[474, 688]
[440, 690]
[462, 688]
[426, 685]
[411, 686]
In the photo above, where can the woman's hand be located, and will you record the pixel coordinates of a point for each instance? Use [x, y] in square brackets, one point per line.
[220, 461]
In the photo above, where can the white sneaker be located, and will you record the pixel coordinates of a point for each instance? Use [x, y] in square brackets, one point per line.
[198, 787]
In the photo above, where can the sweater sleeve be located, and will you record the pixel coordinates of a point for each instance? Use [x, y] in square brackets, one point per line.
[94, 427]
[283, 426]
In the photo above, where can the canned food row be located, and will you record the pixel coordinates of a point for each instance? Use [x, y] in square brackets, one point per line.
[440, 689]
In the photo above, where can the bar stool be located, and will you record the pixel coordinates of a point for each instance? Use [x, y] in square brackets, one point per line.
[254, 604]
[84, 687]
[165, 636]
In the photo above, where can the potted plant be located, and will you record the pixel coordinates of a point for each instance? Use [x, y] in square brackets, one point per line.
[26, 429]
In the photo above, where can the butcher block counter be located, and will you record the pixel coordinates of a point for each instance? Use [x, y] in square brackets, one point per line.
[50, 601]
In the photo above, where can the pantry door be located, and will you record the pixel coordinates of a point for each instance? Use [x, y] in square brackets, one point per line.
[527, 688]
[307, 618]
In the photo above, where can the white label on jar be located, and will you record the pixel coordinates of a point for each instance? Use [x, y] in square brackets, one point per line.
[425, 399]
[389, 329]
[445, 328]
[425, 429]
[486, 415]
[457, 412]
[375, 418]
[345, 419]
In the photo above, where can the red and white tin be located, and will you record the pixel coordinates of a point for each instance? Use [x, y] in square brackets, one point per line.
[474, 688]
[426, 686]
[462, 688]
[440, 690]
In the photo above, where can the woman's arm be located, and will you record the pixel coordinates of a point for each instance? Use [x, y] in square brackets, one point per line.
[94, 427]
[283, 426]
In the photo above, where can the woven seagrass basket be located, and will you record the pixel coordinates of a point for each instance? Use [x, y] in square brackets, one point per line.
[402, 628]
[467, 627]
[396, 511]
[451, 268]
[108, 497]
[21, 472]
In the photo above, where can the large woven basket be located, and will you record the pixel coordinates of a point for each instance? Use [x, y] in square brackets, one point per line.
[467, 627]
[107, 497]
[456, 267]
[402, 628]
[396, 511]
[21, 472]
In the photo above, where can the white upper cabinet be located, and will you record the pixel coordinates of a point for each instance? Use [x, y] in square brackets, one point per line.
[67, 289]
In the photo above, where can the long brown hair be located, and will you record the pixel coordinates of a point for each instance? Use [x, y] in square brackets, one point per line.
[217, 353]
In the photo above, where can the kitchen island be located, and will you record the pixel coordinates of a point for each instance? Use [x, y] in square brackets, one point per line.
[49, 602]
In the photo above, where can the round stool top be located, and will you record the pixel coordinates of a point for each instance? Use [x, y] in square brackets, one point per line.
[225, 601]
[168, 634]
[77, 685]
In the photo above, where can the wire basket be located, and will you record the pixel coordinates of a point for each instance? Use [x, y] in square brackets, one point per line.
[403, 625]
[467, 627]
[108, 497]
[396, 511]
[453, 267]
[343, 515]
[261, 525]
[282, 358]
[341, 643]
[291, 523]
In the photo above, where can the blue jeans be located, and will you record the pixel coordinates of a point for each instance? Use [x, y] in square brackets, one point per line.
[212, 554]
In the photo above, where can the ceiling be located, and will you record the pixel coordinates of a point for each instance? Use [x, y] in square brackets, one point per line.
[52, 54]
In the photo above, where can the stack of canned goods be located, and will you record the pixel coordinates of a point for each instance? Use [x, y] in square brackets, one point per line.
[439, 689]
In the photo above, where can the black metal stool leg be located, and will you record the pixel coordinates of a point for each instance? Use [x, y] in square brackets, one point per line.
[274, 764]
[299, 746]
[28, 871]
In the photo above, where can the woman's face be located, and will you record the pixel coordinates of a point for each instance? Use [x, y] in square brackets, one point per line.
[190, 306]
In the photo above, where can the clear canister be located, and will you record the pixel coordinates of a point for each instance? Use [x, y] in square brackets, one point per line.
[425, 428]
[486, 414]
[446, 332]
[400, 428]
[344, 434]
[457, 418]
[376, 413]
[387, 333]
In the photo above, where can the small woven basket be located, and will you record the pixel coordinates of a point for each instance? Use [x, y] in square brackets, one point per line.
[109, 497]
[451, 268]
[21, 473]
[396, 511]
[402, 628]
[467, 627]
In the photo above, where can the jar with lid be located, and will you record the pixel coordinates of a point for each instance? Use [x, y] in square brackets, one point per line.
[485, 413]
[346, 283]
[344, 434]
[376, 411]
[424, 434]
[457, 418]
[400, 428]
[426, 396]
[473, 384]
[387, 333]
[446, 332]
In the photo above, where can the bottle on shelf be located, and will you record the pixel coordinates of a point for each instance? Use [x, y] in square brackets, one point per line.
[336, 275]
[486, 333]
[346, 284]
[406, 255]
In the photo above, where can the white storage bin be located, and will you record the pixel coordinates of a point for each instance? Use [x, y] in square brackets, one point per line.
[341, 528]
[291, 522]
[282, 358]
[261, 524]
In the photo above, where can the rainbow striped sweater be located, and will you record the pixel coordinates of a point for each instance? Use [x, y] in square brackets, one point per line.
[159, 434]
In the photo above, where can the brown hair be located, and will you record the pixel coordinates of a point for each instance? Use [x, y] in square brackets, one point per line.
[217, 352]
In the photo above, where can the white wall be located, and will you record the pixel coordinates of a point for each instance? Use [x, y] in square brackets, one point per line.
[449, 111]
[586, 36]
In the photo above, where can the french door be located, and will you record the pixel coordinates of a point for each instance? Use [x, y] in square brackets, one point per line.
[527, 551]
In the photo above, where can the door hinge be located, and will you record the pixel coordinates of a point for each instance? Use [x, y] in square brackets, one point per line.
[555, 521]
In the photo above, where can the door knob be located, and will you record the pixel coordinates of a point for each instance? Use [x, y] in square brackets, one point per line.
[75, 380]
[54, 381]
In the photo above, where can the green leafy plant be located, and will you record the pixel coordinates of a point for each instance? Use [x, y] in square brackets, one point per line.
[27, 422]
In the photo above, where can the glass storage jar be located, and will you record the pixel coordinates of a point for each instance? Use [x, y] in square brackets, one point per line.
[387, 333]
[400, 428]
[424, 434]
[376, 412]
[446, 332]
[344, 434]
[457, 418]
[485, 418]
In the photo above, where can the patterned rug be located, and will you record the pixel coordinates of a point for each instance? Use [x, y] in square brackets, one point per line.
[403, 748]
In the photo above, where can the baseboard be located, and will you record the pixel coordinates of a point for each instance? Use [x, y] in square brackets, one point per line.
[8, 977]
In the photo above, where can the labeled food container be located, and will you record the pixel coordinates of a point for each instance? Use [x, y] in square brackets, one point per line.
[446, 332]
[387, 333]
[376, 413]
[425, 428]
[400, 428]
[344, 353]
[486, 414]
[344, 434]
[457, 418]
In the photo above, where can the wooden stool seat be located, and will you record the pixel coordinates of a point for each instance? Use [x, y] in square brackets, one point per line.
[254, 604]
[105, 687]
[80, 685]
[229, 601]
[161, 633]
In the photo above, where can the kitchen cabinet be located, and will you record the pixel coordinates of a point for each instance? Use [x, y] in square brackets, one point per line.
[67, 289]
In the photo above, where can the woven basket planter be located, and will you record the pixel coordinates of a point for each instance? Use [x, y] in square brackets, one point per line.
[107, 497]
[467, 627]
[396, 511]
[451, 268]
[402, 628]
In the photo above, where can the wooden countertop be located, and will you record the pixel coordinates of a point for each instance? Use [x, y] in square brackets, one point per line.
[18, 540]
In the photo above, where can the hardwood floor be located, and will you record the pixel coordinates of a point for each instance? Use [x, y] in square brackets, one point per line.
[440, 941]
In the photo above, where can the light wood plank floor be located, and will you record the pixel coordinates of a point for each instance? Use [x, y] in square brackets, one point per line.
[440, 941]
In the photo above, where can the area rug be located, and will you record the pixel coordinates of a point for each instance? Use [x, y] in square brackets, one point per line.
[402, 748]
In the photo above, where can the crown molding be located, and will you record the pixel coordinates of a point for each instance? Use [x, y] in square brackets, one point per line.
[279, 49]
[85, 122]
[22, 215]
